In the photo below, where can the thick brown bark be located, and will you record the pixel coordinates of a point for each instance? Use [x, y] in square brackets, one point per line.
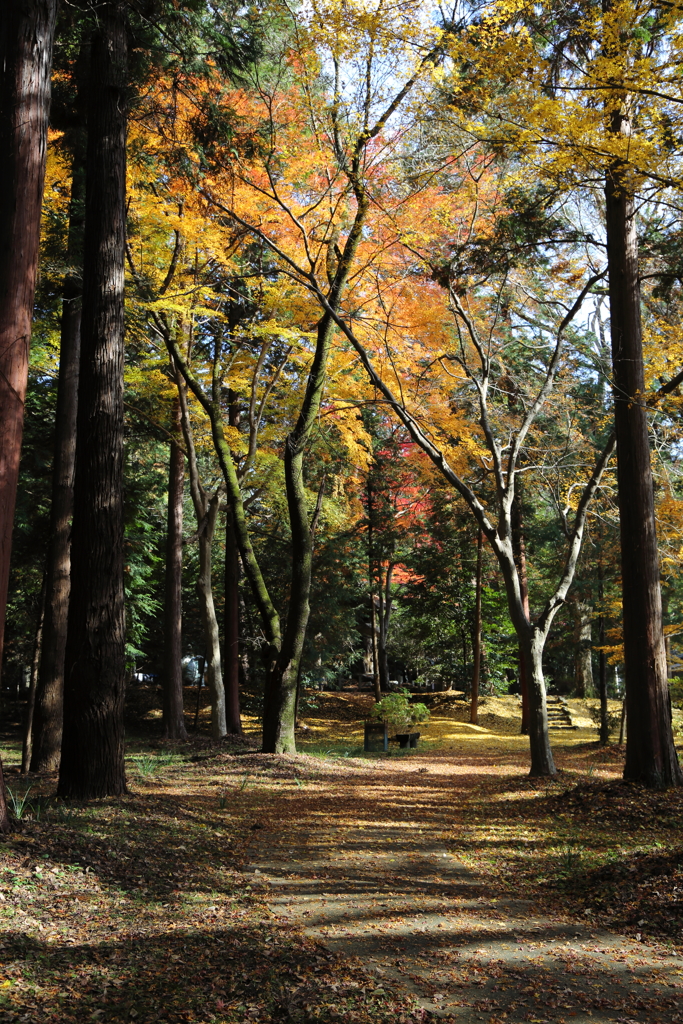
[26, 36]
[173, 716]
[92, 763]
[476, 671]
[650, 753]
[48, 717]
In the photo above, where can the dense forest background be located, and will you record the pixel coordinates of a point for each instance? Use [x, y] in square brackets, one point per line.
[390, 272]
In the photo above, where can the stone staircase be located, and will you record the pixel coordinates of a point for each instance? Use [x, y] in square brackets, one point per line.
[559, 715]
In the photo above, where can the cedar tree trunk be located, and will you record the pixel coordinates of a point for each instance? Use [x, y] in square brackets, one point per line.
[26, 37]
[92, 762]
[48, 714]
[650, 752]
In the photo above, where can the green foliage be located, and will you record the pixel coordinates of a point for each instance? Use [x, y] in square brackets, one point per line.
[397, 710]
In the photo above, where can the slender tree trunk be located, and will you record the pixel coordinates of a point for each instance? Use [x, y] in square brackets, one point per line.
[622, 725]
[214, 675]
[602, 662]
[376, 682]
[519, 549]
[26, 36]
[231, 625]
[48, 720]
[384, 621]
[31, 702]
[206, 510]
[232, 630]
[92, 763]
[650, 752]
[174, 718]
[476, 672]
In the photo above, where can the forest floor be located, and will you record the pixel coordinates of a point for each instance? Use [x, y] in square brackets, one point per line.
[234, 887]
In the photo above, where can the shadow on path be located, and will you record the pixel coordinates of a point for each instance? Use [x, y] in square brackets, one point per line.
[391, 895]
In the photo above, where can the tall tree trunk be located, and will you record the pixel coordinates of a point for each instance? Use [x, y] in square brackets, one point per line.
[231, 622]
[206, 510]
[476, 671]
[26, 37]
[280, 690]
[49, 707]
[173, 714]
[386, 606]
[376, 682]
[232, 630]
[650, 752]
[92, 762]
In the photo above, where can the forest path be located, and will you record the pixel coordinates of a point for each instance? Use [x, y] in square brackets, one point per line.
[365, 869]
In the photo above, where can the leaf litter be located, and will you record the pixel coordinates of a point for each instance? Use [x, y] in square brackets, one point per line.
[154, 907]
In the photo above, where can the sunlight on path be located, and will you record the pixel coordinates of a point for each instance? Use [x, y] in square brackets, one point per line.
[385, 889]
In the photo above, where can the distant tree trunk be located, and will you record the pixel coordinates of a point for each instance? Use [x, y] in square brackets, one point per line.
[384, 621]
[650, 752]
[49, 707]
[476, 671]
[173, 713]
[622, 726]
[232, 630]
[231, 626]
[602, 675]
[26, 37]
[583, 652]
[519, 549]
[31, 702]
[206, 511]
[214, 675]
[92, 763]
[376, 682]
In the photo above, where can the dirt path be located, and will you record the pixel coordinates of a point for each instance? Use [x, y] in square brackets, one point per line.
[363, 867]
